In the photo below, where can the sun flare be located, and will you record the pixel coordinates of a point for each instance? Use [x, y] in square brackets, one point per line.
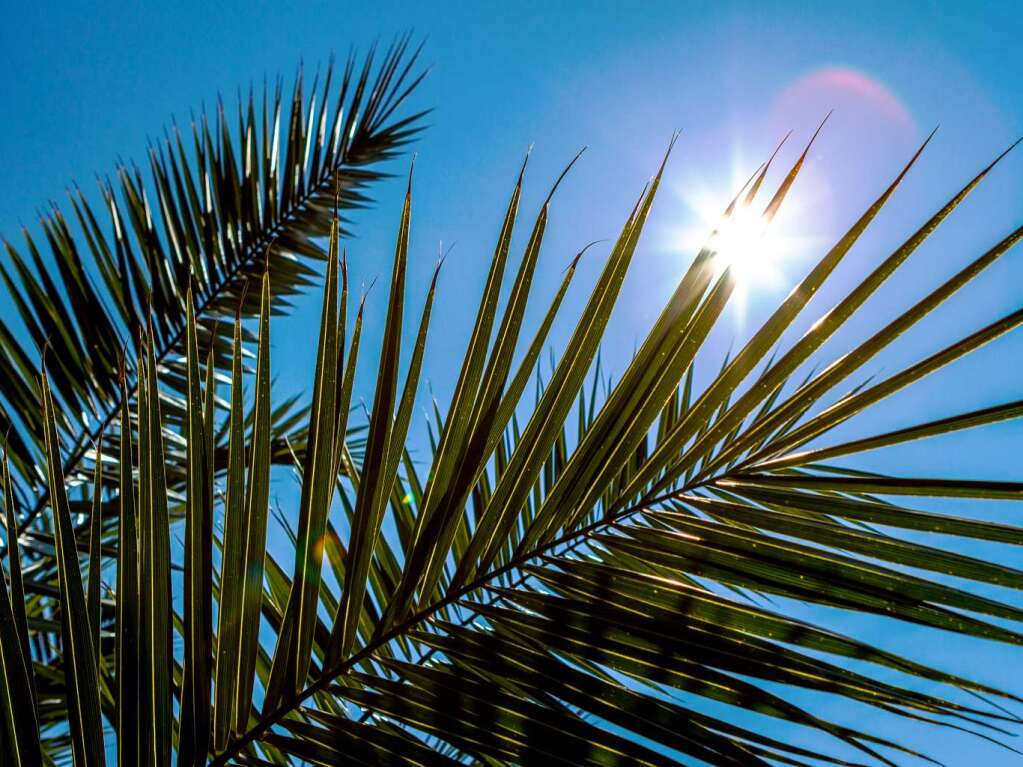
[754, 248]
[742, 243]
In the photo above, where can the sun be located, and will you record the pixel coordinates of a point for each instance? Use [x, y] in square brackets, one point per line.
[753, 247]
[743, 243]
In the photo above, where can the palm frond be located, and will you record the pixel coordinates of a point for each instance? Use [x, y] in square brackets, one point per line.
[610, 580]
[223, 201]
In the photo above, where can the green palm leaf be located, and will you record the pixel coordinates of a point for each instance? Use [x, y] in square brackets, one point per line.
[21, 745]
[80, 668]
[217, 206]
[605, 576]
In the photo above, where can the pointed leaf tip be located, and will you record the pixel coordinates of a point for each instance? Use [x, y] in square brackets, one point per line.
[762, 170]
[575, 259]
[561, 177]
[525, 162]
[999, 158]
[667, 154]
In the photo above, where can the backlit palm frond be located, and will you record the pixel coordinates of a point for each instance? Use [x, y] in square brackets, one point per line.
[220, 203]
[619, 574]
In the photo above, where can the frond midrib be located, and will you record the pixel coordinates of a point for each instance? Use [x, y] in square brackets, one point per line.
[291, 705]
[78, 452]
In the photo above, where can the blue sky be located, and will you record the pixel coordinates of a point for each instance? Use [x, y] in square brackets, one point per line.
[86, 84]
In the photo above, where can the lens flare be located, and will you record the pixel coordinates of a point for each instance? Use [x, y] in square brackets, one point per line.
[754, 250]
[742, 242]
[854, 94]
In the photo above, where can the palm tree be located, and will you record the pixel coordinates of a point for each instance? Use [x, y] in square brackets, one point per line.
[579, 579]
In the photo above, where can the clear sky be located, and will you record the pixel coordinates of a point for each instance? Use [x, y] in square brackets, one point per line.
[84, 84]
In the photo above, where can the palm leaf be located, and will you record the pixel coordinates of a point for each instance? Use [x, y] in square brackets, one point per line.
[217, 206]
[80, 668]
[198, 565]
[127, 622]
[611, 583]
[20, 727]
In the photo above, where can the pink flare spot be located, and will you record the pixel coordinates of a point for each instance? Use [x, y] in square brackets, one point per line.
[844, 87]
